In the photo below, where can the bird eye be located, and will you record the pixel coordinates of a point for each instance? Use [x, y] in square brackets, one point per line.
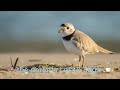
[67, 27]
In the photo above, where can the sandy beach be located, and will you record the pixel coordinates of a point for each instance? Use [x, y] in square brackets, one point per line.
[102, 60]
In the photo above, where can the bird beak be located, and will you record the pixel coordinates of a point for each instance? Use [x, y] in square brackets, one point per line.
[61, 30]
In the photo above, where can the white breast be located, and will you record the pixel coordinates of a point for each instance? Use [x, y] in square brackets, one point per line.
[71, 47]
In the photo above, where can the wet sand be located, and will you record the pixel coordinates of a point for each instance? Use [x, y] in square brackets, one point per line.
[102, 60]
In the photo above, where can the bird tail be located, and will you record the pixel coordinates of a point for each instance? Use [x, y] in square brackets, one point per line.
[104, 50]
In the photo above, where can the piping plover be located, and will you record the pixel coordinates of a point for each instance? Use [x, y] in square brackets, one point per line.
[79, 43]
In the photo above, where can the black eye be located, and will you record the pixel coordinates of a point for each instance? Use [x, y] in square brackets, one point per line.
[67, 27]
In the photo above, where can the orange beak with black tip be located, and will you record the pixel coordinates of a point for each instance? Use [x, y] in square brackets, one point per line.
[61, 30]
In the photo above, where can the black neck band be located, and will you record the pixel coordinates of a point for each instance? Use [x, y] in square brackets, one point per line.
[67, 38]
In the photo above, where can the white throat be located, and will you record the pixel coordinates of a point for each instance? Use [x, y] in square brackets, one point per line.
[67, 33]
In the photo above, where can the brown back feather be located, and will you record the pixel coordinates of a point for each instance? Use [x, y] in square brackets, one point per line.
[88, 44]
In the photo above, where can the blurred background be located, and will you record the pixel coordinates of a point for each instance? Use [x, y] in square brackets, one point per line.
[37, 31]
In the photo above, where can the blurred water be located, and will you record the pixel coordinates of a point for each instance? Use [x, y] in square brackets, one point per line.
[37, 30]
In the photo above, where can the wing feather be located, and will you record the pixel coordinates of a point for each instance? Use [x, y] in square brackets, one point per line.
[84, 42]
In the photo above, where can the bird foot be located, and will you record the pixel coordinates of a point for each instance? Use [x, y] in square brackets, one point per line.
[80, 66]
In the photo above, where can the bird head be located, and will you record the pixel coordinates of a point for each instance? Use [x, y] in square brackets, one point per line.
[66, 29]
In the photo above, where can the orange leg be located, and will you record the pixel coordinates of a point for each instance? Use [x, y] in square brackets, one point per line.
[80, 58]
[83, 60]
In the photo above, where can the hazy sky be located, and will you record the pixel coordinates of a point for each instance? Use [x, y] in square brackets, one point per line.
[38, 25]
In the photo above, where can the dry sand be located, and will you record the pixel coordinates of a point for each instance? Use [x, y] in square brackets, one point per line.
[104, 60]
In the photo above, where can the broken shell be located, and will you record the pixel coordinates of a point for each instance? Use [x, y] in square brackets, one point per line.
[108, 69]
